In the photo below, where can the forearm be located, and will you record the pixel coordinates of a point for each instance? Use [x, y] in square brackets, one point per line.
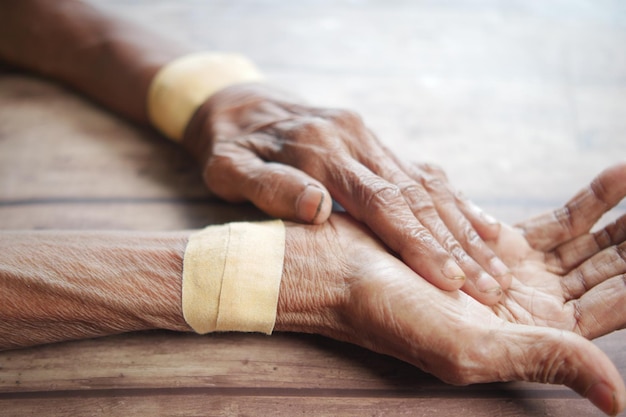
[108, 59]
[57, 285]
[69, 285]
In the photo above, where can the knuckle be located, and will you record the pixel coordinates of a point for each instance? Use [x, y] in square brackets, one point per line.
[421, 235]
[308, 129]
[617, 230]
[424, 169]
[602, 238]
[469, 236]
[579, 278]
[611, 234]
[263, 145]
[411, 188]
[564, 217]
[454, 248]
[380, 194]
[434, 169]
[600, 191]
[433, 183]
[425, 209]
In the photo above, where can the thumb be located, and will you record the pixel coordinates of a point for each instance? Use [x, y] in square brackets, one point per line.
[279, 190]
[560, 357]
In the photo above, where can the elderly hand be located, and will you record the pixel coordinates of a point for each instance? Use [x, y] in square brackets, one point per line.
[289, 159]
[569, 277]
[569, 284]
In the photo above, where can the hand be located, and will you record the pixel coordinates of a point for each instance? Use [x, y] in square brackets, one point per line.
[288, 159]
[568, 284]
[568, 277]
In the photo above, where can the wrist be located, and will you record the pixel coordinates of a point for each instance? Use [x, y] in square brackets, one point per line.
[180, 87]
[313, 288]
[231, 277]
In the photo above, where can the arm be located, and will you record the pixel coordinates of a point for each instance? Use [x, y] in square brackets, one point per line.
[90, 284]
[258, 144]
[87, 284]
[108, 59]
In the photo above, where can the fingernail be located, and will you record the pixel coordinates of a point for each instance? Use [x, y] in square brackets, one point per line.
[487, 284]
[498, 268]
[309, 203]
[452, 271]
[602, 397]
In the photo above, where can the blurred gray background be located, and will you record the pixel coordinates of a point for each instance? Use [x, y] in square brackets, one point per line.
[517, 100]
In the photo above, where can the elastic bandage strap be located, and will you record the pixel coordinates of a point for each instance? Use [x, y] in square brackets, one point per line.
[231, 277]
[181, 86]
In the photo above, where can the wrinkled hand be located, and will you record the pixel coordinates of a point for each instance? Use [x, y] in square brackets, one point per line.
[569, 277]
[569, 284]
[288, 159]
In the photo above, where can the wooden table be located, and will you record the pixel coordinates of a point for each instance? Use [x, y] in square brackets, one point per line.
[521, 103]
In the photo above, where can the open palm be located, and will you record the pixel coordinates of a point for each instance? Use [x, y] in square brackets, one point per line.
[568, 285]
[567, 277]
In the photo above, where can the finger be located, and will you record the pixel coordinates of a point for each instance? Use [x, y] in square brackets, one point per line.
[278, 190]
[433, 205]
[559, 357]
[327, 156]
[604, 265]
[549, 230]
[601, 310]
[380, 205]
[487, 226]
[449, 208]
[571, 254]
[475, 225]
[487, 274]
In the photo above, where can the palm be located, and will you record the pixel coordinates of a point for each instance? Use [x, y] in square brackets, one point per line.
[565, 279]
[458, 339]
[536, 295]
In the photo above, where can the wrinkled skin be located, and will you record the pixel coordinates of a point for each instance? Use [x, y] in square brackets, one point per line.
[569, 286]
[256, 144]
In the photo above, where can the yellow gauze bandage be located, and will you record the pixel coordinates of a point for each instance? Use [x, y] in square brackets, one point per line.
[231, 277]
[181, 86]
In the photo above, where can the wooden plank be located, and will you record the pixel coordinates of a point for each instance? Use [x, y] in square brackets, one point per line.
[77, 150]
[152, 360]
[219, 361]
[150, 373]
[205, 404]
